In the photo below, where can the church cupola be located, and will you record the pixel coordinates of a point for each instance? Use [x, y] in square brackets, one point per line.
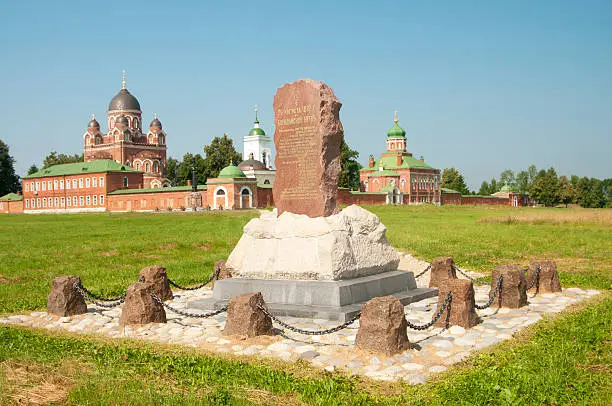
[155, 124]
[93, 124]
[258, 144]
[396, 137]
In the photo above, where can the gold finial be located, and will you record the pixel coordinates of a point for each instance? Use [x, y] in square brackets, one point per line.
[155, 114]
[395, 118]
[123, 80]
[93, 116]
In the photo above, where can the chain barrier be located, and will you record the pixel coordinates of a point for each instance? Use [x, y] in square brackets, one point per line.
[447, 302]
[423, 272]
[83, 293]
[492, 298]
[536, 279]
[103, 299]
[187, 314]
[479, 282]
[213, 276]
[309, 332]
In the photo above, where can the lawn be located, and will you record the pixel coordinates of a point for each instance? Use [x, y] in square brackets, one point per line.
[563, 359]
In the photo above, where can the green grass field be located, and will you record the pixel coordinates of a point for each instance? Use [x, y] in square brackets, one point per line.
[564, 359]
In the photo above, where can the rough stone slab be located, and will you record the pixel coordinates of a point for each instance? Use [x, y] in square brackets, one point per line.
[349, 244]
[245, 317]
[513, 289]
[462, 310]
[139, 306]
[383, 326]
[307, 138]
[442, 269]
[549, 277]
[64, 300]
[156, 279]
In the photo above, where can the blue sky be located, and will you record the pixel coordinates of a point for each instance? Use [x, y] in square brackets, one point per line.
[482, 86]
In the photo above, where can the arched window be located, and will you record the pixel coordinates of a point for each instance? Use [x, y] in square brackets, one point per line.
[160, 139]
[147, 167]
[156, 167]
[220, 192]
[267, 182]
[137, 166]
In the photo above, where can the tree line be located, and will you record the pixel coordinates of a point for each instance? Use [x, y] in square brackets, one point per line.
[545, 186]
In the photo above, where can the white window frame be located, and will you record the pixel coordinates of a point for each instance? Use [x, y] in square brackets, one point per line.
[80, 183]
[62, 201]
[74, 183]
[95, 199]
[88, 200]
[56, 201]
[68, 202]
[55, 185]
[44, 202]
[87, 183]
[81, 201]
[61, 183]
[27, 203]
[27, 186]
[38, 202]
[75, 201]
[44, 185]
[94, 182]
[101, 181]
[49, 185]
[101, 200]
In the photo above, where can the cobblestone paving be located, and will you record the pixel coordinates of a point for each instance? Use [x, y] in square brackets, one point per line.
[434, 350]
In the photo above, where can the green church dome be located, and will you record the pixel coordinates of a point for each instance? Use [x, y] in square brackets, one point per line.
[231, 171]
[256, 130]
[396, 131]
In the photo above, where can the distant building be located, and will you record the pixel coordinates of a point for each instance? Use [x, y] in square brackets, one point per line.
[505, 197]
[11, 203]
[125, 141]
[397, 174]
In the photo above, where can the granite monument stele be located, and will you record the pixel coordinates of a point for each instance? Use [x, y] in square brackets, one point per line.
[308, 258]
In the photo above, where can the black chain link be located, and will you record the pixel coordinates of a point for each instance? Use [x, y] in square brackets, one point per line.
[213, 276]
[423, 272]
[90, 299]
[536, 278]
[479, 282]
[447, 301]
[187, 314]
[104, 299]
[309, 332]
[492, 298]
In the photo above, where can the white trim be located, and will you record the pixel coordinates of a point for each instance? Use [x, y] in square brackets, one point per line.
[59, 211]
[250, 197]
[215, 197]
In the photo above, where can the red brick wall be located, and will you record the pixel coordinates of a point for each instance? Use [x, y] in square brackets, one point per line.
[11, 207]
[159, 200]
[265, 197]
[345, 197]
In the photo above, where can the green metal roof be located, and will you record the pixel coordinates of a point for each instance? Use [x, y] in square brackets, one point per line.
[266, 186]
[101, 165]
[11, 197]
[446, 190]
[231, 171]
[256, 130]
[156, 190]
[396, 132]
[387, 188]
[385, 172]
[390, 163]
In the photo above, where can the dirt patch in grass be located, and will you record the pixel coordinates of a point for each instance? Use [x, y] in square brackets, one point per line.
[33, 384]
[167, 247]
[7, 280]
[202, 245]
[111, 253]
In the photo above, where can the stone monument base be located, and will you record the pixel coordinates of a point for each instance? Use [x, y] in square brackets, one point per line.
[333, 300]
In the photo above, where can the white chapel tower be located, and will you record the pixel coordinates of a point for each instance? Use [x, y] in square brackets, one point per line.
[258, 146]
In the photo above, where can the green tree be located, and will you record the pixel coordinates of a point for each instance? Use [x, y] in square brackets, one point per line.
[186, 167]
[219, 154]
[494, 186]
[349, 172]
[172, 170]
[484, 188]
[522, 182]
[54, 159]
[532, 172]
[507, 177]
[9, 181]
[452, 179]
[32, 169]
[590, 193]
[567, 191]
[545, 188]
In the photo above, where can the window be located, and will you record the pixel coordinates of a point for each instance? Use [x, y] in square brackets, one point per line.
[94, 182]
[62, 202]
[147, 167]
[56, 201]
[101, 181]
[50, 202]
[44, 202]
[37, 186]
[62, 184]
[27, 204]
[55, 185]
[50, 187]
[220, 192]
[81, 201]
[74, 200]
[68, 184]
[155, 167]
[137, 166]
[74, 184]
[95, 200]
[27, 185]
[68, 201]
[32, 186]
[87, 183]
[44, 186]
[33, 202]
[101, 200]
[38, 202]
[88, 200]
[80, 183]
[125, 181]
